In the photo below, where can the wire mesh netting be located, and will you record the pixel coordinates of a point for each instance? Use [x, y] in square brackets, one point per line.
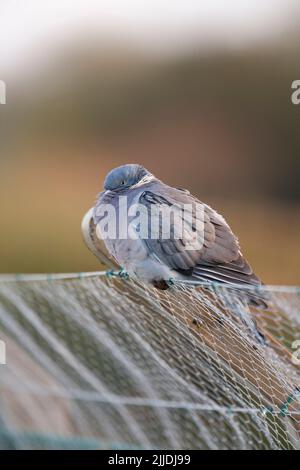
[102, 362]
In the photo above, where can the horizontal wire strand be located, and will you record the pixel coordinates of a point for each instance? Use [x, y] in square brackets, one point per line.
[185, 282]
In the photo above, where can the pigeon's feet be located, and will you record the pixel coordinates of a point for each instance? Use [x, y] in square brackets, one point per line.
[123, 274]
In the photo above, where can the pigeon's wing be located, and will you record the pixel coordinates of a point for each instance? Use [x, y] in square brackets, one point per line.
[207, 248]
[94, 243]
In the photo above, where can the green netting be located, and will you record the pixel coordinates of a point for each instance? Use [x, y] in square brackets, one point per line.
[95, 361]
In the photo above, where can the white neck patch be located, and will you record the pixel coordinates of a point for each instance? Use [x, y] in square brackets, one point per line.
[144, 180]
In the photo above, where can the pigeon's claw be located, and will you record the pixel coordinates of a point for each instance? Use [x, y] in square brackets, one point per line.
[122, 273]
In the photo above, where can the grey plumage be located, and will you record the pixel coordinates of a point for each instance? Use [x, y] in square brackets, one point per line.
[219, 259]
[155, 260]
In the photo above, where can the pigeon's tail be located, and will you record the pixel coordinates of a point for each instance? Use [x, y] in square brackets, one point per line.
[238, 273]
[251, 324]
[238, 294]
[258, 300]
[239, 301]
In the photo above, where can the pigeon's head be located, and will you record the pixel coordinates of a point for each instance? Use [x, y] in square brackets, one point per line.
[126, 176]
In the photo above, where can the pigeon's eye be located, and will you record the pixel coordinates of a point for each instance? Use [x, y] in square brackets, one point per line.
[122, 182]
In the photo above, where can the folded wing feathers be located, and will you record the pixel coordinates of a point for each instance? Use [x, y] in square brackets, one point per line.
[219, 259]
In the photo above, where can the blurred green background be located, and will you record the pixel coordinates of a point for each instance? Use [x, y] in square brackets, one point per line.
[215, 118]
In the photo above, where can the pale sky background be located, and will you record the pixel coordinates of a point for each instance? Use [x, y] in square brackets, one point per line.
[29, 28]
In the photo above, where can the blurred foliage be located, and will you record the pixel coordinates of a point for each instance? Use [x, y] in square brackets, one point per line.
[113, 96]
